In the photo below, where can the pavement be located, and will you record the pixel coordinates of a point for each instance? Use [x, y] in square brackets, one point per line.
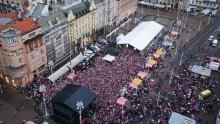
[14, 108]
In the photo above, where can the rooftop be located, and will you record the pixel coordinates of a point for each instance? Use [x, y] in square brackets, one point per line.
[37, 10]
[53, 18]
[79, 9]
[26, 25]
[13, 15]
[2, 27]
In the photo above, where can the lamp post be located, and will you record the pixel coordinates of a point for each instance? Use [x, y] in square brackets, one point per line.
[188, 36]
[200, 24]
[1, 89]
[158, 12]
[186, 19]
[142, 11]
[123, 91]
[42, 89]
[80, 106]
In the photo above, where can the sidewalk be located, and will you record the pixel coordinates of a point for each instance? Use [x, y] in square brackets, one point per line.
[14, 109]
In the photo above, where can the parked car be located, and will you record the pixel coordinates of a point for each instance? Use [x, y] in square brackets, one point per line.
[210, 38]
[193, 13]
[214, 43]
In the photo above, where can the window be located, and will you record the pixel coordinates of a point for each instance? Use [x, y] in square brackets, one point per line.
[38, 61]
[43, 59]
[41, 42]
[19, 60]
[32, 56]
[10, 41]
[32, 35]
[37, 53]
[31, 47]
[42, 51]
[34, 65]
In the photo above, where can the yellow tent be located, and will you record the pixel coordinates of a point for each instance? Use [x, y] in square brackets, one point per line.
[137, 81]
[159, 52]
[152, 62]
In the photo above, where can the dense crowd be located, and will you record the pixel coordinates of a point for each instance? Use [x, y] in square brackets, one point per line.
[107, 79]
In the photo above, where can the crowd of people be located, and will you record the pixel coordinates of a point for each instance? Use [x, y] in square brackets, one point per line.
[107, 79]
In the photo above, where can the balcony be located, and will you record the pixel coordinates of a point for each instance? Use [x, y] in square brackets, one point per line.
[16, 76]
[15, 67]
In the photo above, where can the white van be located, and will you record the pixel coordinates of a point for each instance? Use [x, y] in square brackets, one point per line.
[215, 43]
[213, 13]
[206, 11]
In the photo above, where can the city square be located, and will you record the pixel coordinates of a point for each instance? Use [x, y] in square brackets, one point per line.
[127, 76]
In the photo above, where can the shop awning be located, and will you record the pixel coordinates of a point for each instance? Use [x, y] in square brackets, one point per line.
[137, 81]
[159, 52]
[149, 65]
[133, 86]
[152, 62]
[156, 56]
[66, 67]
[121, 101]
[142, 74]
[205, 92]
[71, 76]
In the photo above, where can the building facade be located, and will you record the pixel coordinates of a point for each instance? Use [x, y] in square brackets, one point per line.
[19, 3]
[125, 8]
[23, 53]
[56, 38]
[100, 14]
[81, 24]
[205, 4]
[110, 14]
[11, 5]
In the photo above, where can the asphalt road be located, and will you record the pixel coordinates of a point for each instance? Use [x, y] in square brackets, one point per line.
[192, 46]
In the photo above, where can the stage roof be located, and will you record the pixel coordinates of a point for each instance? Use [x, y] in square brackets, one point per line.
[71, 94]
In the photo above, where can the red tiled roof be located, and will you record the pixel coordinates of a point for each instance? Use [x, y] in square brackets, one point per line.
[2, 27]
[2, 15]
[26, 25]
[13, 15]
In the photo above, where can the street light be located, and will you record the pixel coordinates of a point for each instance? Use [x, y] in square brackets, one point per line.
[158, 11]
[1, 89]
[42, 89]
[188, 36]
[186, 19]
[200, 24]
[123, 91]
[142, 11]
[80, 106]
[208, 19]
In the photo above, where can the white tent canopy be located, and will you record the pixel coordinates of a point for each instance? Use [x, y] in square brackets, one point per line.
[120, 37]
[66, 67]
[177, 118]
[109, 58]
[142, 35]
[146, 3]
[201, 70]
